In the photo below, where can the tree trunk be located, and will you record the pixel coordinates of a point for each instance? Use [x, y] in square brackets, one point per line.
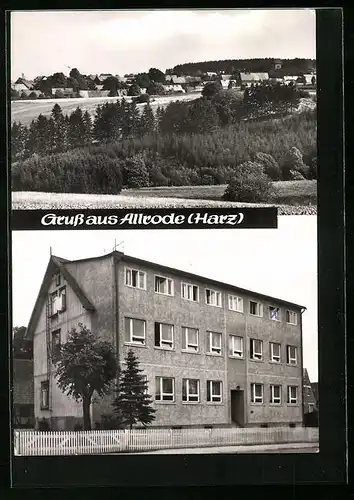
[86, 402]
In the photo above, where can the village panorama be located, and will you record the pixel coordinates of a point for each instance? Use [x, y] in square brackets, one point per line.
[181, 137]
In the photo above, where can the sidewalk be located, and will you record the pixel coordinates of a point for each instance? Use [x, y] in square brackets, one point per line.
[266, 448]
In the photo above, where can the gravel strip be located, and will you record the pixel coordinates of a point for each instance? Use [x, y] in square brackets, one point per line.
[28, 200]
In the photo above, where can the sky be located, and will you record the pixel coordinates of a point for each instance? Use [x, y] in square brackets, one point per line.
[278, 262]
[120, 42]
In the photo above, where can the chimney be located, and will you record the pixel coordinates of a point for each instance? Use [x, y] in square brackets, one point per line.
[23, 76]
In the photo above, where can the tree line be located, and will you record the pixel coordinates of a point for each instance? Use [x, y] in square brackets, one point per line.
[230, 66]
[186, 143]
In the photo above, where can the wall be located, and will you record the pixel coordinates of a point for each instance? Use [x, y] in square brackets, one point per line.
[62, 406]
[155, 361]
[95, 277]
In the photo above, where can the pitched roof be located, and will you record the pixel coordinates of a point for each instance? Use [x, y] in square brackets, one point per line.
[253, 77]
[134, 260]
[23, 392]
[55, 264]
[179, 79]
[28, 83]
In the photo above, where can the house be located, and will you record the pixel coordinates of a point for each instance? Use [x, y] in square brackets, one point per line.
[310, 78]
[23, 84]
[173, 88]
[23, 393]
[249, 78]
[277, 64]
[103, 76]
[211, 73]
[213, 354]
[309, 400]
[63, 92]
[93, 93]
[314, 386]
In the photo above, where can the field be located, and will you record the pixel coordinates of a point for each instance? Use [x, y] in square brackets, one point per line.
[291, 197]
[27, 110]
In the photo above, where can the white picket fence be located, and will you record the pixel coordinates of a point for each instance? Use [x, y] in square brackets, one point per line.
[28, 442]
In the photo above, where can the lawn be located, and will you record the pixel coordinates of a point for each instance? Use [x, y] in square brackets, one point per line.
[292, 198]
[285, 192]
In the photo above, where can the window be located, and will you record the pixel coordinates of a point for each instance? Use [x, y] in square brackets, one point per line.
[235, 346]
[164, 389]
[190, 339]
[164, 335]
[292, 394]
[213, 298]
[146, 382]
[45, 395]
[257, 393]
[214, 343]
[190, 292]
[274, 313]
[190, 390]
[135, 331]
[214, 394]
[235, 303]
[256, 349]
[56, 344]
[163, 285]
[275, 352]
[291, 355]
[57, 279]
[58, 301]
[256, 309]
[291, 317]
[135, 278]
[275, 394]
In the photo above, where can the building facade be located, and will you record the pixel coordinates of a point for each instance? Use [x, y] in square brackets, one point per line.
[213, 354]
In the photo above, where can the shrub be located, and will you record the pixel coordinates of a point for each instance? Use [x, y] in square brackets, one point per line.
[136, 174]
[295, 175]
[270, 166]
[142, 98]
[293, 161]
[249, 184]
[313, 168]
[111, 422]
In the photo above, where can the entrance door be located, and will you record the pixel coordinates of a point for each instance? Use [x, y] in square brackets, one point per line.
[238, 407]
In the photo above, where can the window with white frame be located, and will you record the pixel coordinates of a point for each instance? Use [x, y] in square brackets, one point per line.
[56, 345]
[164, 389]
[58, 301]
[214, 343]
[275, 352]
[291, 317]
[190, 390]
[164, 335]
[163, 285]
[213, 298]
[235, 346]
[135, 330]
[214, 391]
[257, 393]
[256, 348]
[44, 401]
[146, 384]
[291, 355]
[275, 394]
[135, 278]
[274, 313]
[57, 279]
[190, 339]
[292, 394]
[190, 292]
[235, 303]
[256, 308]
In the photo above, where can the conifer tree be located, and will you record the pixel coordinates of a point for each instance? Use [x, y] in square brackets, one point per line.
[19, 134]
[147, 121]
[76, 131]
[60, 129]
[133, 404]
[88, 127]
